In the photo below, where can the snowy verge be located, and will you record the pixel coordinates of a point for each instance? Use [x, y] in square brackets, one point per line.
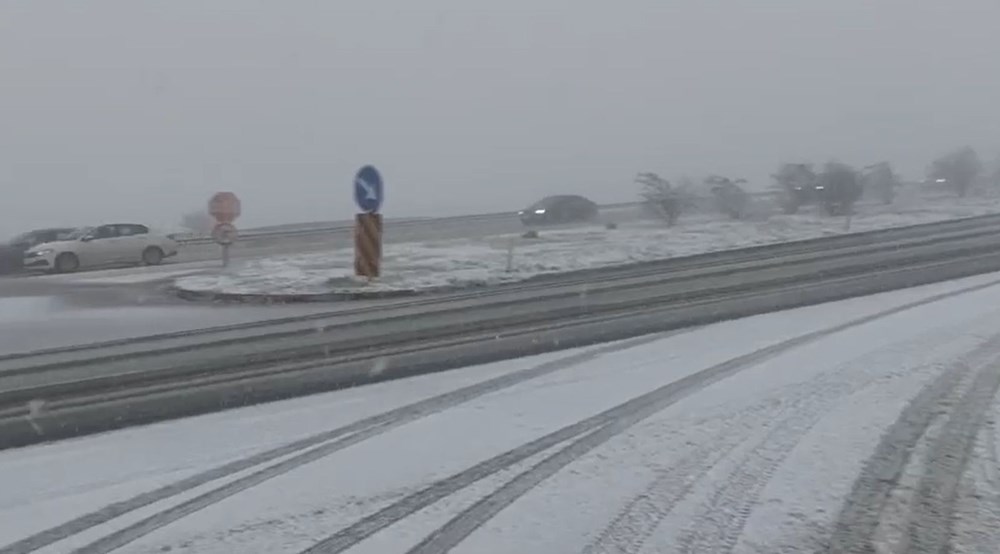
[409, 268]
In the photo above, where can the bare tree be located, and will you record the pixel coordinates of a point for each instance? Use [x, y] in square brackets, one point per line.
[730, 198]
[663, 198]
[840, 187]
[878, 180]
[797, 183]
[958, 169]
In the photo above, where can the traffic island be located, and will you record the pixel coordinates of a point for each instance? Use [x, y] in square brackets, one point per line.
[306, 279]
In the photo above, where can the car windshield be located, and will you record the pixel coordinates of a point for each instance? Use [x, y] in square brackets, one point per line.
[547, 202]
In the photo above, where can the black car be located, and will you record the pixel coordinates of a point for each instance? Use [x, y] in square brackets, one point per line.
[564, 208]
[12, 253]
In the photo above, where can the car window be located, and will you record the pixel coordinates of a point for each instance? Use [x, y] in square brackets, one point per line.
[105, 232]
[52, 235]
[80, 233]
[128, 230]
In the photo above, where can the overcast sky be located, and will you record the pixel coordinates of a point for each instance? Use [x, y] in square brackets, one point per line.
[140, 109]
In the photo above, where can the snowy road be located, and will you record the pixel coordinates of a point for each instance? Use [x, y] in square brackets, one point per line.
[827, 428]
[72, 314]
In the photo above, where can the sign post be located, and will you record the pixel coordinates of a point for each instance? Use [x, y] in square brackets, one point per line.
[225, 208]
[368, 195]
[224, 234]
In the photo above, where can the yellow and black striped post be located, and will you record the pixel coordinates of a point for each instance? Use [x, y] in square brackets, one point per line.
[368, 245]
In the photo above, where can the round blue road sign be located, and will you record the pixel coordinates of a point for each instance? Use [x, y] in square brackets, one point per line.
[368, 190]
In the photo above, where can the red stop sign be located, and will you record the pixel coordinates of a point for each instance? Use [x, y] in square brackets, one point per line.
[224, 207]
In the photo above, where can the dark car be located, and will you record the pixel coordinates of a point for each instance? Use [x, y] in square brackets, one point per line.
[12, 253]
[565, 208]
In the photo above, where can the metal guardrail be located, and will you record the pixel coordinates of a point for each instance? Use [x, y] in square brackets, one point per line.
[346, 226]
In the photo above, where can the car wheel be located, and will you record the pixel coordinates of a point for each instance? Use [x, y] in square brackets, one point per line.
[67, 263]
[152, 256]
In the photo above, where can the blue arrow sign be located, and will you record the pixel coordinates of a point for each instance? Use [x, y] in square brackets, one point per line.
[368, 190]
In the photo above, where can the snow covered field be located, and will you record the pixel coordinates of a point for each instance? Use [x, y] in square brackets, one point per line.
[759, 458]
[510, 258]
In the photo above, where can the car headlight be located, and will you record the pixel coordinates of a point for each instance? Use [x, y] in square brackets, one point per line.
[539, 212]
[42, 252]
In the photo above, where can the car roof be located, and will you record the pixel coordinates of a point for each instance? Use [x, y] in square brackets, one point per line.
[50, 230]
[560, 197]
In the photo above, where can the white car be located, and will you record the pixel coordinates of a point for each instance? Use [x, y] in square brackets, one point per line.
[115, 244]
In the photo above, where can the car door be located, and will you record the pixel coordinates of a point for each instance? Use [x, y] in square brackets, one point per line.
[132, 240]
[583, 209]
[98, 247]
[560, 210]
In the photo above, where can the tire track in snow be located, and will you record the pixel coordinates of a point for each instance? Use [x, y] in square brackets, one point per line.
[367, 427]
[977, 508]
[932, 522]
[720, 526]
[803, 405]
[592, 432]
[309, 449]
[858, 522]
[992, 448]
[628, 531]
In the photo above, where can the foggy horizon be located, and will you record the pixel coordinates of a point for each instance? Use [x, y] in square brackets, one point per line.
[127, 111]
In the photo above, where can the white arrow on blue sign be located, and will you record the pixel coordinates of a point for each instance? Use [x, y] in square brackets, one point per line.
[368, 190]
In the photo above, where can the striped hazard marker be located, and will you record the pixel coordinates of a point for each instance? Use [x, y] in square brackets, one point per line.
[368, 245]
